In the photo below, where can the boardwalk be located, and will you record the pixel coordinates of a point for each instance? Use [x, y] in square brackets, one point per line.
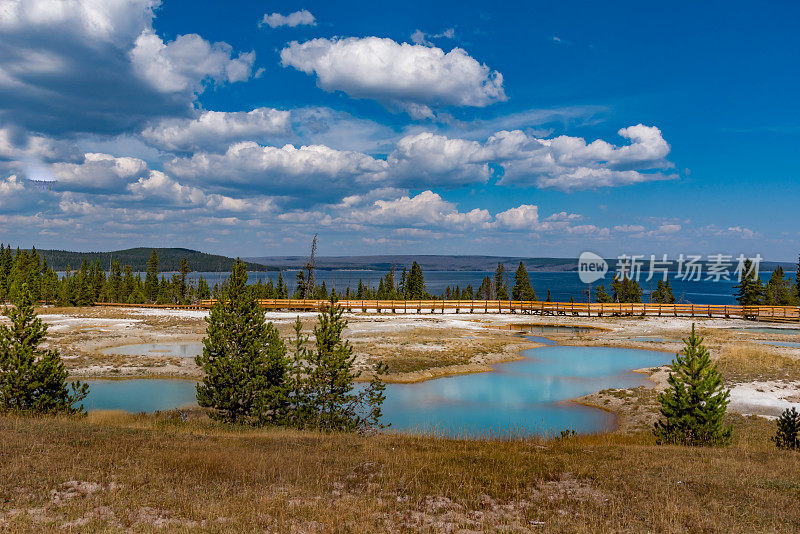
[757, 313]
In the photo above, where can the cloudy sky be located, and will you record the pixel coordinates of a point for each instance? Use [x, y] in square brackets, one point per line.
[535, 128]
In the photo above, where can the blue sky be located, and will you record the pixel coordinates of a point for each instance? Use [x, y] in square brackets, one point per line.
[539, 129]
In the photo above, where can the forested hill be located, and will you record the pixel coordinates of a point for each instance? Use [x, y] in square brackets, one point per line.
[168, 259]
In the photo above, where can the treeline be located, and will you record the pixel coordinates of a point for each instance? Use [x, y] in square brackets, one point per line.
[627, 290]
[90, 283]
[122, 283]
[778, 291]
[169, 258]
[410, 285]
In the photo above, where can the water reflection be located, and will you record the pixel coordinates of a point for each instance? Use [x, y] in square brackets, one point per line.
[188, 349]
[524, 396]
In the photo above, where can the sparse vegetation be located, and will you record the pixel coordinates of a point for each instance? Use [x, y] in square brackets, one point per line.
[33, 380]
[693, 406]
[788, 433]
[115, 472]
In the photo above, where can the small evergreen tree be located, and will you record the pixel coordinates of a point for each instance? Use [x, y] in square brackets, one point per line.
[500, 286]
[243, 358]
[33, 380]
[778, 291]
[415, 285]
[151, 278]
[601, 295]
[328, 399]
[694, 404]
[626, 290]
[485, 289]
[750, 290]
[788, 433]
[183, 288]
[203, 291]
[113, 290]
[522, 290]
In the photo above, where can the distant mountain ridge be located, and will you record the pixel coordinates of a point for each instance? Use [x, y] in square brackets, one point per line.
[168, 258]
[458, 263]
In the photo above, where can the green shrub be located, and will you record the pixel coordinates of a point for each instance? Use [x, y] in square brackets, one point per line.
[788, 433]
[693, 406]
[33, 380]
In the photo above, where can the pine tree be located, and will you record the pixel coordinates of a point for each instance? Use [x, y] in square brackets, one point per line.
[321, 292]
[32, 275]
[787, 435]
[83, 286]
[381, 290]
[243, 358]
[388, 285]
[485, 289]
[361, 289]
[163, 295]
[151, 278]
[500, 287]
[402, 287]
[778, 291]
[601, 295]
[663, 293]
[750, 290]
[693, 406]
[468, 293]
[32, 379]
[6, 265]
[416, 283]
[183, 288]
[626, 290]
[300, 285]
[113, 289]
[522, 290]
[282, 289]
[128, 285]
[669, 296]
[327, 389]
[203, 292]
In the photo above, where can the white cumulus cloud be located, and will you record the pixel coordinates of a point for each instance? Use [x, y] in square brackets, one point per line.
[183, 64]
[99, 173]
[427, 159]
[298, 18]
[411, 77]
[315, 171]
[213, 130]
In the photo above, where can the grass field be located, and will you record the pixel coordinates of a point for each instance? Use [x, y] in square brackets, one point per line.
[112, 471]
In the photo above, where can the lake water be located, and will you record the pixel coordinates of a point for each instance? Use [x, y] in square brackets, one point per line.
[769, 330]
[780, 343]
[140, 395]
[554, 329]
[562, 285]
[188, 349]
[528, 396]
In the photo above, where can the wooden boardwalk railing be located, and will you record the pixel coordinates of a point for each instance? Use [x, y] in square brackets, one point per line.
[758, 313]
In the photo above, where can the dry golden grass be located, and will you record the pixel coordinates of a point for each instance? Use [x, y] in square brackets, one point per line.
[743, 362]
[114, 471]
